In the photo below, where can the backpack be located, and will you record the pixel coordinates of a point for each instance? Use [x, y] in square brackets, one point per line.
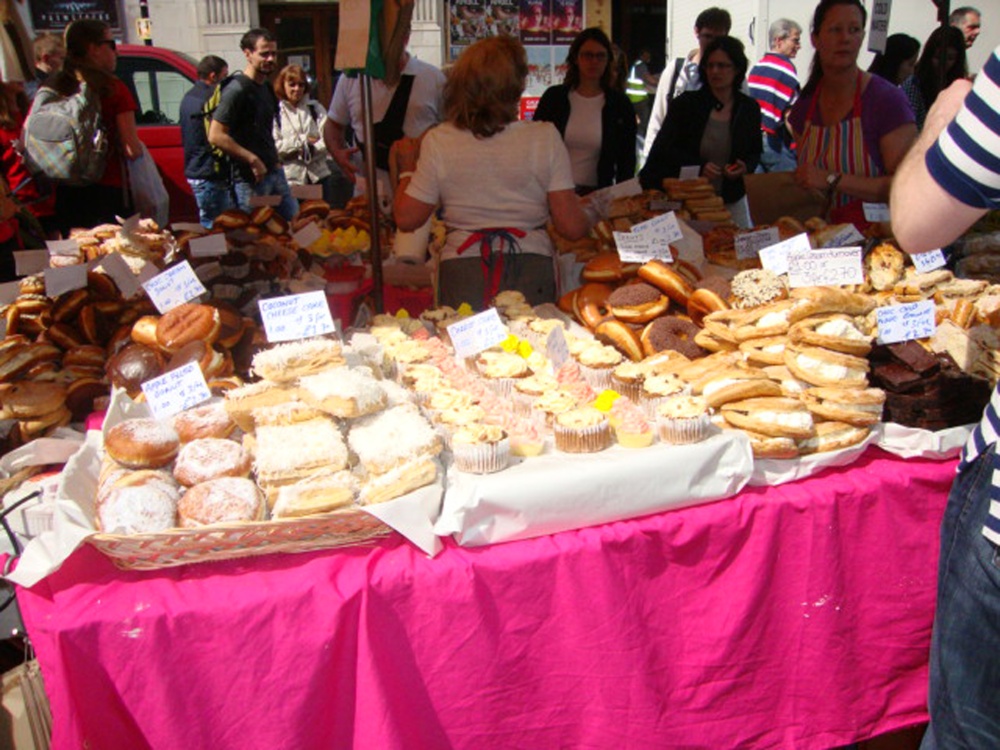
[678, 67]
[220, 160]
[64, 137]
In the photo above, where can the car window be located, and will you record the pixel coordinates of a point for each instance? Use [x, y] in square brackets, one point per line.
[158, 88]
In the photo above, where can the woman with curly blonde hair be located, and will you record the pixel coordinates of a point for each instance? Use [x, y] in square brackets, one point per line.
[498, 180]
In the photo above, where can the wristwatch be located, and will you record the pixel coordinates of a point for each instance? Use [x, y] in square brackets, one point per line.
[832, 180]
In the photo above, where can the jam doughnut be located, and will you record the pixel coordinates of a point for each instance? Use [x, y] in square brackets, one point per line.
[142, 443]
[671, 332]
[210, 458]
[590, 305]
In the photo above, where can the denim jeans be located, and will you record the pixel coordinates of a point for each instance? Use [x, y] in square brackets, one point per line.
[965, 647]
[213, 198]
[273, 183]
[776, 156]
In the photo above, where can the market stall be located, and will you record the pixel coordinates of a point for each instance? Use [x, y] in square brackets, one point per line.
[794, 616]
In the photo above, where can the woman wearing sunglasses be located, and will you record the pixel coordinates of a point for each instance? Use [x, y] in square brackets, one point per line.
[596, 121]
[91, 56]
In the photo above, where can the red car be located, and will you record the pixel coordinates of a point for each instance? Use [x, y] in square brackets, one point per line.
[159, 78]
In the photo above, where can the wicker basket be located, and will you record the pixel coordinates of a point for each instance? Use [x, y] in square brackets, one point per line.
[227, 541]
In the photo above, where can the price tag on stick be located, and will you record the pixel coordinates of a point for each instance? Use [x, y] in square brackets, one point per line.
[297, 316]
[477, 333]
[177, 390]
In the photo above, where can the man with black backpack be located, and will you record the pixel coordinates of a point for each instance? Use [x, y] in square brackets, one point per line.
[209, 181]
[242, 126]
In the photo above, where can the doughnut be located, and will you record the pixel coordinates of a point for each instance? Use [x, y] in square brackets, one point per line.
[231, 218]
[133, 366]
[590, 303]
[603, 267]
[222, 500]
[667, 280]
[140, 503]
[637, 303]
[95, 324]
[80, 396]
[230, 323]
[86, 355]
[186, 323]
[28, 399]
[102, 286]
[565, 302]
[144, 330]
[704, 301]
[671, 332]
[65, 336]
[67, 306]
[621, 336]
[689, 271]
[203, 459]
[313, 209]
[142, 443]
[209, 360]
[261, 215]
[209, 420]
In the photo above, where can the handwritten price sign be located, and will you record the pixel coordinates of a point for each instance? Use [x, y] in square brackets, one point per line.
[905, 322]
[477, 333]
[834, 266]
[298, 316]
[749, 244]
[924, 262]
[176, 391]
[173, 287]
[640, 248]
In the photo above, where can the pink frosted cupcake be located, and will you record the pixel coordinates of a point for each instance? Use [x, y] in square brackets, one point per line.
[584, 430]
[631, 427]
[551, 404]
[526, 439]
[683, 419]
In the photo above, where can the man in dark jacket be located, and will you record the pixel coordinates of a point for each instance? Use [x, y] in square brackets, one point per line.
[210, 187]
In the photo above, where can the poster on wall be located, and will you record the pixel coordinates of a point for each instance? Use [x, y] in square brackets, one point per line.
[567, 20]
[56, 15]
[536, 22]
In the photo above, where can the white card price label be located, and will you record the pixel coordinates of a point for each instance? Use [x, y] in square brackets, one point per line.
[63, 247]
[177, 390]
[625, 189]
[173, 287]
[297, 316]
[114, 265]
[60, 280]
[664, 205]
[209, 246]
[690, 172]
[307, 192]
[929, 261]
[665, 228]
[775, 257]
[846, 237]
[307, 235]
[27, 262]
[914, 320]
[187, 226]
[875, 212]
[834, 266]
[639, 248]
[557, 348]
[477, 333]
[749, 244]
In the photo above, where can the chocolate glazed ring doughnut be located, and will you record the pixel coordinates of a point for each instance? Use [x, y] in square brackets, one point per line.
[671, 332]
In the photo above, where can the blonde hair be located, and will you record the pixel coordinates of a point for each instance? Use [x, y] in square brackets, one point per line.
[296, 73]
[484, 86]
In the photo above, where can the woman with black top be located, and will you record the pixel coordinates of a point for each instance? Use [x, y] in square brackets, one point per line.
[716, 128]
[597, 122]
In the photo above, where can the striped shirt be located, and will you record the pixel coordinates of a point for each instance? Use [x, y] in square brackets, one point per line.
[773, 82]
[965, 161]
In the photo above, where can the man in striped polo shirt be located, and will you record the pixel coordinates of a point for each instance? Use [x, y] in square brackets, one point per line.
[774, 83]
[948, 180]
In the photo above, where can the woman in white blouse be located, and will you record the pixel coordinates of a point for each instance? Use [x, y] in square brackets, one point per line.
[298, 132]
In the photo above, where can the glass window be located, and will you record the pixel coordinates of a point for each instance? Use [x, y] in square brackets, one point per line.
[157, 87]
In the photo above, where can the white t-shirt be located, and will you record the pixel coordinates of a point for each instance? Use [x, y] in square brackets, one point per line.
[583, 136]
[423, 110]
[502, 181]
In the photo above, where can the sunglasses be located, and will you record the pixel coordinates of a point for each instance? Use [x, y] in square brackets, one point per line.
[111, 43]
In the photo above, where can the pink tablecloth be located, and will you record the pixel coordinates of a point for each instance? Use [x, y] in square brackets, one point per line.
[789, 617]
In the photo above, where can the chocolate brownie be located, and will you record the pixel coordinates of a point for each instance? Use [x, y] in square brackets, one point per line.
[914, 356]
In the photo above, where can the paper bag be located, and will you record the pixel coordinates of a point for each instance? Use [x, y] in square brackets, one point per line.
[772, 195]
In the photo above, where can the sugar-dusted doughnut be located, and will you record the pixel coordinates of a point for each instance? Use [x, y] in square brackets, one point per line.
[142, 443]
[203, 459]
[209, 420]
[221, 500]
[143, 503]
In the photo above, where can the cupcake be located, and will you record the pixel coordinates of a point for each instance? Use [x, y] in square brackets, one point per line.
[627, 379]
[551, 404]
[596, 363]
[480, 448]
[631, 427]
[540, 328]
[683, 419]
[500, 369]
[584, 430]
[526, 390]
[526, 440]
[656, 388]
